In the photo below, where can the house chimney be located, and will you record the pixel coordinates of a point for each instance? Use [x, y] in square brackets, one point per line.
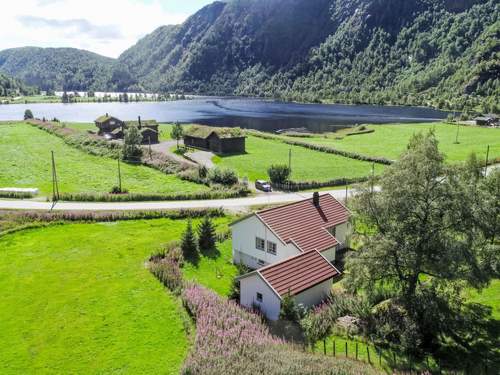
[316, 199]
[139, 120]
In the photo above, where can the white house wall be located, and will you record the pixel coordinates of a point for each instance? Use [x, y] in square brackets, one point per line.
[253, 284]
[244, 250]
[342, 234]
[314, 295]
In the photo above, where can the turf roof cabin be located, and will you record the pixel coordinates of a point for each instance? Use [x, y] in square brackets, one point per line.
[217, 140]
[114, 128]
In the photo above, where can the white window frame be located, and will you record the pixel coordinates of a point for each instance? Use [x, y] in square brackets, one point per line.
[259, 297]
[272, 248]
[259, 240]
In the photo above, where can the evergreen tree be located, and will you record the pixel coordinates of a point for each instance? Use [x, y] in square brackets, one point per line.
[188, 243]
[65, 97]
[206, 235]
[132, 150]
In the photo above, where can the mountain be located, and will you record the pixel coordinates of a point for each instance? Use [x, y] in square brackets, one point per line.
[13, 87]
[443, 53]
[58, 68]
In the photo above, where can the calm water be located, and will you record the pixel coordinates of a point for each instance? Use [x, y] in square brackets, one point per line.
[249, 113]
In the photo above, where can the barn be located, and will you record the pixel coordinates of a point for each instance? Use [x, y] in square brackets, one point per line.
[217, 140]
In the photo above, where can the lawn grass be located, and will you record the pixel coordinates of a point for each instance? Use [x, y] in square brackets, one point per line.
[489, 296]
[215, 272]
[25, 162]
[390, 140]
[78, 299]
[307, 165]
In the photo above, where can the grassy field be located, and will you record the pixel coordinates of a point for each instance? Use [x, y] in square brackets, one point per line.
[25, 162]
[306, 164]
[489, 296]
[391, 140]
[78, 299]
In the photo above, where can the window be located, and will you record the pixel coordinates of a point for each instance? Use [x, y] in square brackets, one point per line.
[259, 297]
[260, 262]
[260, 243]
[271, 247]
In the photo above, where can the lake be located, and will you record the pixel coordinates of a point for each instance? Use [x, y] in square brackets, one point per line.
[266, 115]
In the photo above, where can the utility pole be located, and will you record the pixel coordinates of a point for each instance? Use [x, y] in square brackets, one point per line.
[346, 193]
[458, 128]
[486, 163]
[55, 184]
[290, 159]
[119, 175]
[150, 152]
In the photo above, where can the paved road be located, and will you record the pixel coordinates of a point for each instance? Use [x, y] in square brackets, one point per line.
[231, 204]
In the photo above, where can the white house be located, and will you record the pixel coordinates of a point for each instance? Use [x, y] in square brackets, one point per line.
[275, 234]
[306, 277]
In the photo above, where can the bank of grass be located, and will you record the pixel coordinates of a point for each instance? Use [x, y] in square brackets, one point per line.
[390, 141]
[78, 299]
[489, 296]
[307, 165]
[25, 162]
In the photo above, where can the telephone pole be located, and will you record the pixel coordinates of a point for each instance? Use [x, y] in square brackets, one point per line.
[373, 175]
[55, 183]
[458, 128]
[290, 159]
[486, 163]
[119, 175]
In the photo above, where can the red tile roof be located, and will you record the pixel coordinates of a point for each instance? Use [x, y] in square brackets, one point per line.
[305, 224]
[298, 273]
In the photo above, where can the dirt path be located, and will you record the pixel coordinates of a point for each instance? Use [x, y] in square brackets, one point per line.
[164, 148]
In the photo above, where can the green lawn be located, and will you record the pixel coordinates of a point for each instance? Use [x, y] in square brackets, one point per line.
[489, 296]
[391, 140]
[306, 164]
[25, 162]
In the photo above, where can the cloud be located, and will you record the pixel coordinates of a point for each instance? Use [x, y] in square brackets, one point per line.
[107, 27]
[74, 27]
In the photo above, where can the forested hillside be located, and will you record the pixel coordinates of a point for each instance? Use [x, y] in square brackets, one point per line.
[13, 87]
[442, 53]
[57, 68]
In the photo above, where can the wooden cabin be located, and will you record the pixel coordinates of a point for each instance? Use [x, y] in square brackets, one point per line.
[217, 140]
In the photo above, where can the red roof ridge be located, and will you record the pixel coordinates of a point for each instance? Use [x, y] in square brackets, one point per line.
[293, 203]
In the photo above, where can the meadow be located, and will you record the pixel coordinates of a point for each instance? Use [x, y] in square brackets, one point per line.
[390, 140]
[307, 165]
[78, 298]
[25, 153]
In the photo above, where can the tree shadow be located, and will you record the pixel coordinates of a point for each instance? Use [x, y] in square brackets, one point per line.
[212, 253]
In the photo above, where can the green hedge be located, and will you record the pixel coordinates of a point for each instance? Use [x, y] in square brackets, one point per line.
[321, 148]
[15, 195]
[139, 197]
[306, 185]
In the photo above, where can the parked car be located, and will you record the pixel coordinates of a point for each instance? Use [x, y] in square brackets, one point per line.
[263, 186]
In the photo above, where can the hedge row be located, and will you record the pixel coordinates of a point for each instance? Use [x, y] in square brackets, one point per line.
[306, 185]
[239, 191]
[15, 195]
[321, 148]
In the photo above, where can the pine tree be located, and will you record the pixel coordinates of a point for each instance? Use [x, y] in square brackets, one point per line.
[28, 115]
[188, 243]
[206, 235]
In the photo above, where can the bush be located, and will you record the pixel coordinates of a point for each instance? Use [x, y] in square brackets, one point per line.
[169, 273]
[28, 115]
[117, 190]
[279, 173]
[132, 150]
[289, 309]
[306, 185]
[223, 176]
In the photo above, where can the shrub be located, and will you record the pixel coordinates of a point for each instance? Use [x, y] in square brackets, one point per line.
[206, 235]
[169, 273]
[28, 115]
[223, 176]
[289, 309]
[235, 286]
[279, 173]
[118, 190]
[188, 243]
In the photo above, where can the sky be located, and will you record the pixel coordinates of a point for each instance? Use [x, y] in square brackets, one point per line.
[107, 27]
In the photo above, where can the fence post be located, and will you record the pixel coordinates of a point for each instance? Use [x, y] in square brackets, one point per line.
[356, 350]
[368, 352]
[324, 346]
[380, 357]
[346, 354]
[394, 357]
[334, 348]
